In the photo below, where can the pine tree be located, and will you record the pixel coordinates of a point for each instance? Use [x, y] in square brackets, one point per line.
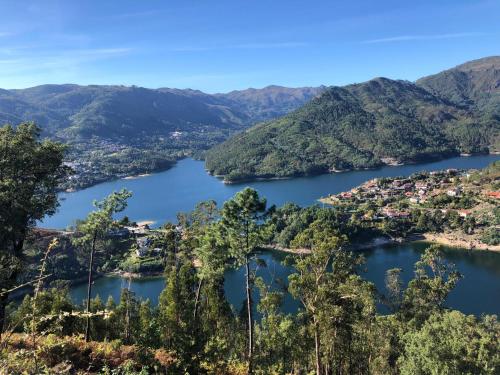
[242, 221]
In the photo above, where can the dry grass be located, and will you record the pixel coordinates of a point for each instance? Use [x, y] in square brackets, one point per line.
[72, 355]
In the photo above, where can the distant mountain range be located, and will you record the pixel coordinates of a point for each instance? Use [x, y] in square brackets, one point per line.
[70, 111]
[366, 125]
[116, 131]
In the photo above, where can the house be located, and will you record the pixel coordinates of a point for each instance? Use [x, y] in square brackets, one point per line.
[392, 213]
[119, 232]
[421, 185]
[143, 244]
[421, 192]
[138, 230]
[493, 194]
[453, 192]
[345, 195]
[464, 213]
[141, 252]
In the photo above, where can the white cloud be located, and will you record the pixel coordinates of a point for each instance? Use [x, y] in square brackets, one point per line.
[407, 38]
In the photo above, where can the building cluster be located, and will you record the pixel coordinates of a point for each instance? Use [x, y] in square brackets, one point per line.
[143, 237]
[416, 189]
[141, 234]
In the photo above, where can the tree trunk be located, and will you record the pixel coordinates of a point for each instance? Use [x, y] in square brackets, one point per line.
[317, 344]
[89, 288]
[3, 304]
[197, 299]
[18, 248]
[250, 317]
[127, 318]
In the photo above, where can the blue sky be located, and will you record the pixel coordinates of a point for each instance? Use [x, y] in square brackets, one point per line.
[219, 45]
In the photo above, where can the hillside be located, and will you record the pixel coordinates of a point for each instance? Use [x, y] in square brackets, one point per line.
[114, 111]
[269, 102]
[114, 131]
[366, 125]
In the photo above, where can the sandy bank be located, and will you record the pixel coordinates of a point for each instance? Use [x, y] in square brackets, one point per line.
[451, 240]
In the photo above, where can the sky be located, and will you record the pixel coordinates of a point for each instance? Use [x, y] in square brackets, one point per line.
[220, 45]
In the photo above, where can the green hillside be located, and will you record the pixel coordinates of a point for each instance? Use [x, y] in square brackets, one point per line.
[115, 131]
[366, 125]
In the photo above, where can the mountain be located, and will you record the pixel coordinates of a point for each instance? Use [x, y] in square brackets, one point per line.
[269, 102]
[115, 131]
[366, 125]
[475, 84]
[115, 111]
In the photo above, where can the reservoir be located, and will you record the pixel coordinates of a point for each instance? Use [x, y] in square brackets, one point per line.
[476, 293]
[159, 197]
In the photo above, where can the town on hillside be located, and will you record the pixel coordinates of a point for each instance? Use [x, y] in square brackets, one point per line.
[454, 207]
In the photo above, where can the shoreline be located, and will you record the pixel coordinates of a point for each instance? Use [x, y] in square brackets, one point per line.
[430, 238]
[376, 241]
[135, 177]
[331, 171]
[255, 179]
[133, 275]
[443, 239]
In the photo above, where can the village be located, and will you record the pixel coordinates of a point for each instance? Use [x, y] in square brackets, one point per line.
[463, 203]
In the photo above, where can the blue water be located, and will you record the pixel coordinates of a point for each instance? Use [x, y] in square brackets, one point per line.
[477, 292]
[161, 196]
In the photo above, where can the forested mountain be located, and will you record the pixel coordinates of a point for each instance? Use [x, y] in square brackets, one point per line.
[115, 131]
[114, 111]
[366, 125]
[473, 84]
[269, 102]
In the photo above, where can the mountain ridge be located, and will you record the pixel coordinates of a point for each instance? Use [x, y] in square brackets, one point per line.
[365, 125]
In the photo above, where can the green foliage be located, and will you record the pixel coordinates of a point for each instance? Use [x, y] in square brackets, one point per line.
[117, 131]
[30, 171]
[427, 292]
[452, 343]
[491, 236]
[194, 329]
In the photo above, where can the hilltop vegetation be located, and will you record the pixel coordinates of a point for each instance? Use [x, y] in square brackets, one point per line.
[366, 125]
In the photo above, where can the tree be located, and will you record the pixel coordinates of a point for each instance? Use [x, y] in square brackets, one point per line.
[175, 315]
[394, 287]
[212, 256]
[310, 284]
[334, 298]
[30, 172]
[279, 345]
[434, 280]
[452, 343]
[95, 229]
[244, 228]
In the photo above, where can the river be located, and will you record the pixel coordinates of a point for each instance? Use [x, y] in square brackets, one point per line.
[160, 196]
